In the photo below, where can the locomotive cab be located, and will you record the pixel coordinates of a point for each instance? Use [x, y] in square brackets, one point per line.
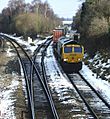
[70, 54]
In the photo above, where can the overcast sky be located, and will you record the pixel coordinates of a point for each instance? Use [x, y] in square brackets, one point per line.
[63, 8]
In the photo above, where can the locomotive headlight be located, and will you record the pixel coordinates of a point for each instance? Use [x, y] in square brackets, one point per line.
[65, 59]
[79, 59]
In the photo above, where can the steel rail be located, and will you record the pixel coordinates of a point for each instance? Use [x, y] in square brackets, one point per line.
[103, 100]
[31, 106]
[32, 73]
[30, 99]
[46, 83]
[52, 106]
[36, 70]
[82, 97]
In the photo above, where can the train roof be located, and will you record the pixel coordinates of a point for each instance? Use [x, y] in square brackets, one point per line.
[58, 29]
[66, 40]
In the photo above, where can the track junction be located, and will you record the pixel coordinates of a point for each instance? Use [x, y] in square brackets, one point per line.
[40, 72]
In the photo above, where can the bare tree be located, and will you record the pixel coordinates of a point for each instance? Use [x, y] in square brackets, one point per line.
[16, 6]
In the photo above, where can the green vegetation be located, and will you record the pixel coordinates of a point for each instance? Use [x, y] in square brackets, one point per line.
[28, 19]
[93, 22]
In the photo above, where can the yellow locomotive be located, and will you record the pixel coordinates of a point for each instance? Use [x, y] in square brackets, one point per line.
[69, 53]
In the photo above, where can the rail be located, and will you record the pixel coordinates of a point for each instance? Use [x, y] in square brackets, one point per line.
[46, 84]
[82, 93]
[29, 82]
[48, 95]
[28, 86]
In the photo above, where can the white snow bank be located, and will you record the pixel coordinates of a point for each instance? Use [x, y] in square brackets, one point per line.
[100, 85]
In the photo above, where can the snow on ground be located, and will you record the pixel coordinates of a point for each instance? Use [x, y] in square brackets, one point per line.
[6, 103]
[100, 85]
[60, 83]
[21, 41]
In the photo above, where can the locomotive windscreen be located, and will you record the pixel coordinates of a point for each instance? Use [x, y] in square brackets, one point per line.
[67, 49]
[77, 49]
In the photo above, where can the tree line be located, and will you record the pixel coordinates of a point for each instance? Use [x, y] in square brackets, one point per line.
[93, 22]
[28, 19]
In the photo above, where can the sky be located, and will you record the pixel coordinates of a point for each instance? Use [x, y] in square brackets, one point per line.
[66, 9]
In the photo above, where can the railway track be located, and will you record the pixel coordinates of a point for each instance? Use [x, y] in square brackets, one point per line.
[49, 110]
[40, 99]
[22, 54]
[97, 106]
[30, 74]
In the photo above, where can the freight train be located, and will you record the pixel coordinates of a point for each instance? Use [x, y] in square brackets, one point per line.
[57, 33]
[69, 53]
